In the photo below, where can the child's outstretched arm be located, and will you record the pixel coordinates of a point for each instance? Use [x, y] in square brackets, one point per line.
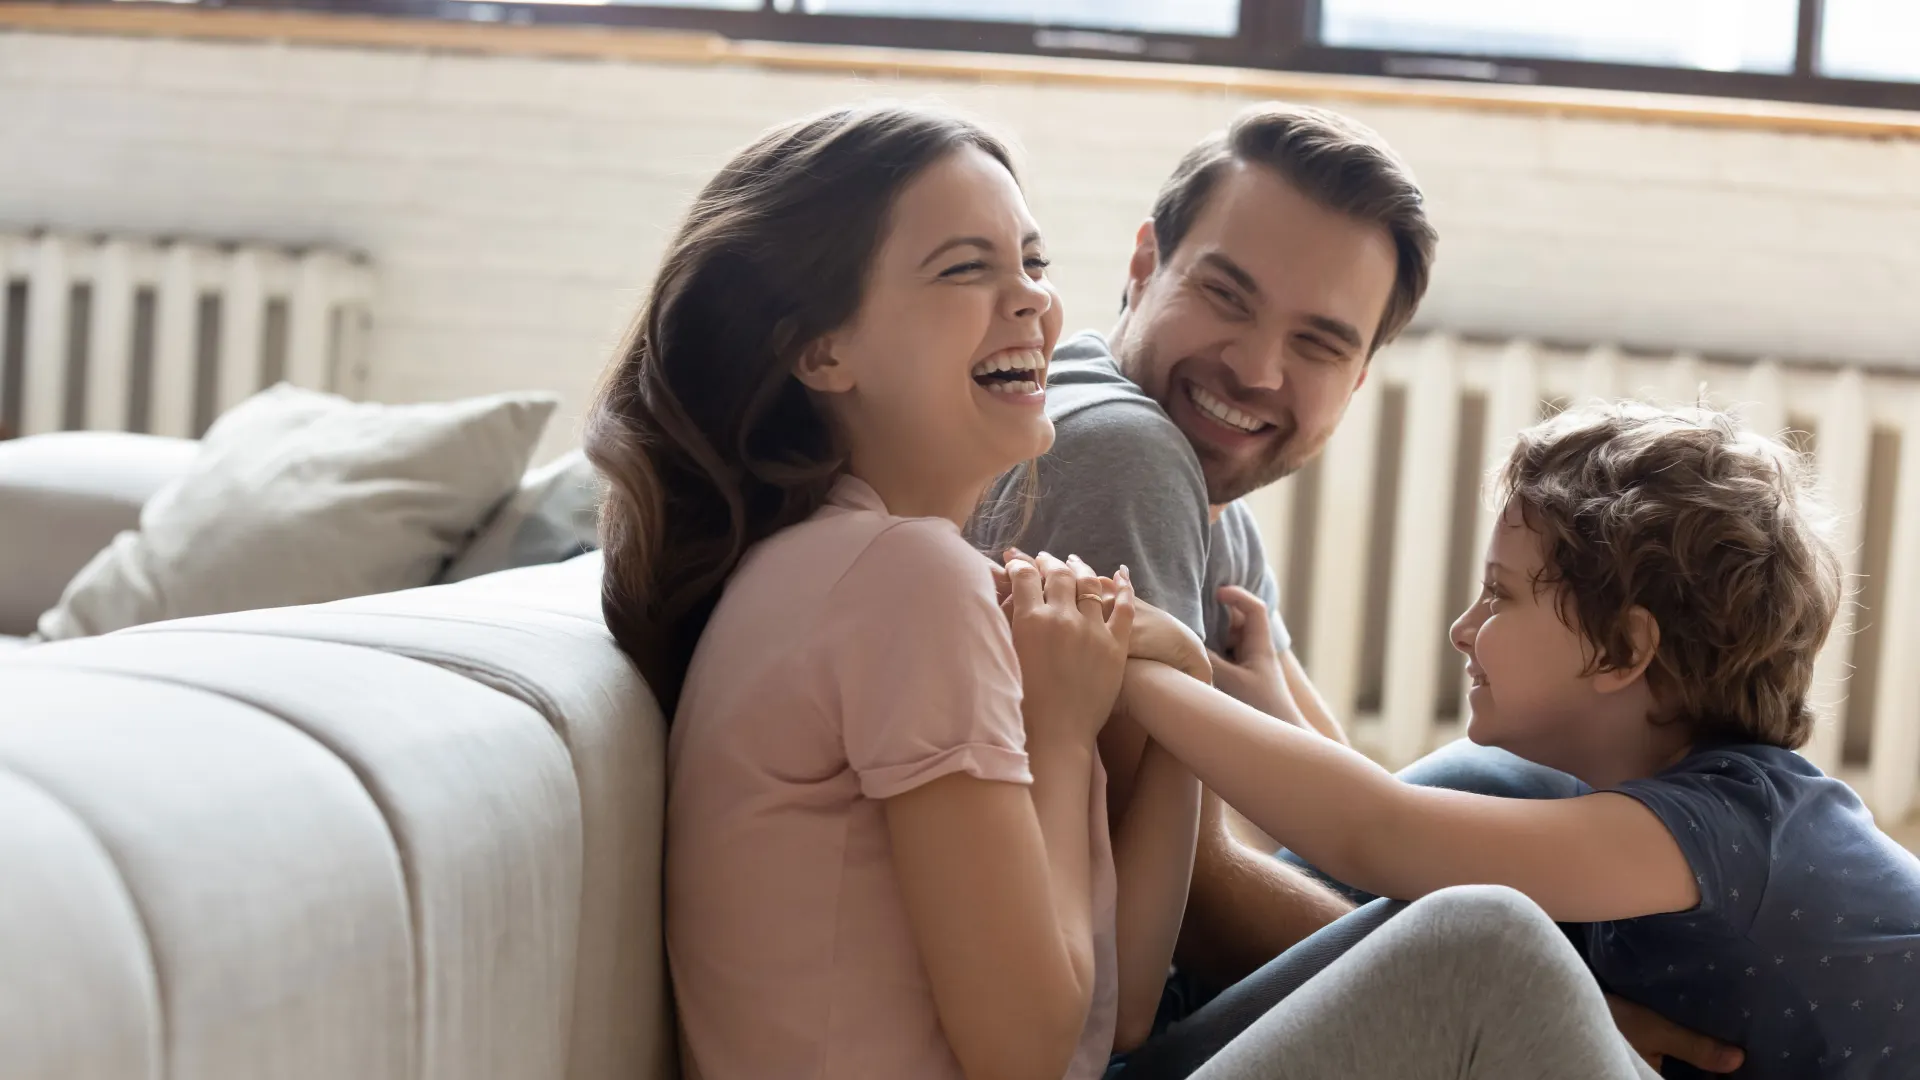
[1595, 858]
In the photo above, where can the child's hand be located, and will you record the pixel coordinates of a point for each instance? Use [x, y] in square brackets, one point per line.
[1072, 643]
[1656, 1038]
[1251, 674]
[1161, 637]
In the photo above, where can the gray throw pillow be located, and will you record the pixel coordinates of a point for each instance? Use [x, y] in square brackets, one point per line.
[553, 517]
[299, 497]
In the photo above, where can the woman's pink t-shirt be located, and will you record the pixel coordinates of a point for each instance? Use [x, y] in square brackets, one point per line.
[853, 657]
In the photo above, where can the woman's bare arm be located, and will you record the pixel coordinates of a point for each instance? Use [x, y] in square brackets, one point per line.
[996, 879]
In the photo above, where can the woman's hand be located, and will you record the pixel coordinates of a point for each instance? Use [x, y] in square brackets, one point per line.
[1157, 635]
[1071, 641]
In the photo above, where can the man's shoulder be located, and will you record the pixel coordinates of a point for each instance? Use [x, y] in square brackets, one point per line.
[1086, 360]
[1122, 431]
[1237, 524]
[1121, 484]
[1239, 552]
[1103, 419]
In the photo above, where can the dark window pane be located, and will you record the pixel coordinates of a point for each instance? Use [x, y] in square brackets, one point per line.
[1214, 18]
[1871, 39]
[724, 5]
[1707, 35]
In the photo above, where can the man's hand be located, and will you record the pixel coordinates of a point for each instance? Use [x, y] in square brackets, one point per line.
[1656, 1038]
[1251, 672]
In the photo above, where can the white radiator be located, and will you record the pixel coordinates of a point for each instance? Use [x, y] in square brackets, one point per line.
[123, 333]
[1378, 544]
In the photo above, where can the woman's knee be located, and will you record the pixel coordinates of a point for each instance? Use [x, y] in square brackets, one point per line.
[1492, 904]
[1491, 925]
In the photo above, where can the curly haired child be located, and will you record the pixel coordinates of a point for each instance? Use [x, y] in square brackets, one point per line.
[1657, 588]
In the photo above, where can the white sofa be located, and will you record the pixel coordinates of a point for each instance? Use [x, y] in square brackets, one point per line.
[406, 836]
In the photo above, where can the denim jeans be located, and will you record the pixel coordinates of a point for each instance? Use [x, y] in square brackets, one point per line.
[1464, 766]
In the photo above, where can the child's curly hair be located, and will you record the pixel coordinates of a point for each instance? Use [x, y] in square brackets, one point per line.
[1714, 530]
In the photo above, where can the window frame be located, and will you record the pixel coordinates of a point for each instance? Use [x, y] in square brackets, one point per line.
[1276, 35]
[1801, 84]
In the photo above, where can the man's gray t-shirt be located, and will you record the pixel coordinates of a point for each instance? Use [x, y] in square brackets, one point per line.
[1123, 486]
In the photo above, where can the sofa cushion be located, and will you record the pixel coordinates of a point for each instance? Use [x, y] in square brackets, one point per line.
[64, 496]
[297, 497]
[406, 835]
[553, 517]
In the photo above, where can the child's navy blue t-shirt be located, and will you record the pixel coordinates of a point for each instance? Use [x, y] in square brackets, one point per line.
[1805, 947]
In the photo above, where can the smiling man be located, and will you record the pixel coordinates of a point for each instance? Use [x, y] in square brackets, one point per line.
[1280, 255]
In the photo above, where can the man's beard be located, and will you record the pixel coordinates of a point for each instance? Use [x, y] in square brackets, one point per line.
[1227, 479]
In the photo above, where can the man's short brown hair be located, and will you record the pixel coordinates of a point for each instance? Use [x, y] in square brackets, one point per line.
[1332, 160]
[1714, 530]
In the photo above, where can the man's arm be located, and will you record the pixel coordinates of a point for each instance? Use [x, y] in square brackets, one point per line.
[1121, 486]
[1153, 845]
[1267, 675]
[1306, 697]
[1246, 907]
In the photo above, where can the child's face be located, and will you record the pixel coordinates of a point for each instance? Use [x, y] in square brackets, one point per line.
[1531, 691]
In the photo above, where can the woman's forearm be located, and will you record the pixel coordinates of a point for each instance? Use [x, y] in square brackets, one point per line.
[1062, 797]
[1326, 802]
[1153, 849]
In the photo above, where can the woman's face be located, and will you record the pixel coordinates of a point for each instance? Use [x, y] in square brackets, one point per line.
[942, 370]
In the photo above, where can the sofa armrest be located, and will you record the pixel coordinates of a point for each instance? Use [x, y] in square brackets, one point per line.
[63, 497]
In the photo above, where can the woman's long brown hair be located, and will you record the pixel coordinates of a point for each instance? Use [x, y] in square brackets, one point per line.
[707, 441]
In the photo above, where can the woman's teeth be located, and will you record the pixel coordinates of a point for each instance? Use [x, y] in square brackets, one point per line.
[1020, 371]
[1209, 403]
[1018, 386]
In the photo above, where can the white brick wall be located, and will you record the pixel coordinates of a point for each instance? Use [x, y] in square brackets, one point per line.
[514, 208]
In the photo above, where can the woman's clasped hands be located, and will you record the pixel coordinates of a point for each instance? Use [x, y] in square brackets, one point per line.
[1074, 631]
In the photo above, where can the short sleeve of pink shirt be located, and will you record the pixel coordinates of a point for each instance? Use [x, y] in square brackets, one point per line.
[927, 679]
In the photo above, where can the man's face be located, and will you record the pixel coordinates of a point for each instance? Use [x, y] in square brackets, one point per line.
[1255, 333]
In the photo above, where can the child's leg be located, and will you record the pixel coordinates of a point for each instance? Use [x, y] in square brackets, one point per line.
[1471, 982]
